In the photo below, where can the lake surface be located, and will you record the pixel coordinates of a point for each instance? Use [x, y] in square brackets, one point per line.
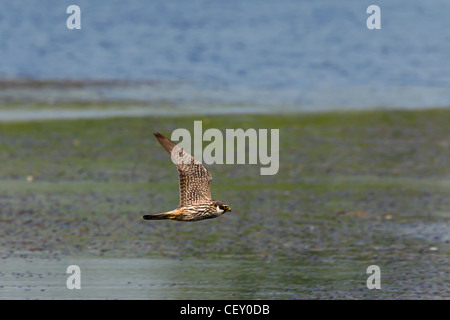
[302, 55]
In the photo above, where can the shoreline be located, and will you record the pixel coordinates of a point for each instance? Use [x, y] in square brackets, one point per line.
[28, 99]
[48, 114]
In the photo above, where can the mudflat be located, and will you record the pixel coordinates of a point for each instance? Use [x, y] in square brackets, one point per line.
[354, 189]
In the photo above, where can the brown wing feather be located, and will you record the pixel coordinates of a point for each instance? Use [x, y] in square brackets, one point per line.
[194, 178]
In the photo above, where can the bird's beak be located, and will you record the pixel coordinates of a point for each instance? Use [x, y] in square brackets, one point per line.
[228, 209]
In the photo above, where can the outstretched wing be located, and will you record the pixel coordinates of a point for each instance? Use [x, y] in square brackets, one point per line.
[194, 178]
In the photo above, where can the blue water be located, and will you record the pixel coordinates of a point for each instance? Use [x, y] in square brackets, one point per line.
[301, 54]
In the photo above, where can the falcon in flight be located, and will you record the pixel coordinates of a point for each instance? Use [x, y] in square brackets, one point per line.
[195, 188]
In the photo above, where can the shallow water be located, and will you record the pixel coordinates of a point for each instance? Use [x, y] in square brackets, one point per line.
[93, 113]
[203, 279]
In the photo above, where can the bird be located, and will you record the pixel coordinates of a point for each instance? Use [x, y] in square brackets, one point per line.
[194, 186]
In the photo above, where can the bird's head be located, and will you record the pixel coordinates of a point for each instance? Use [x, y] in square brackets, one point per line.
[221, 207]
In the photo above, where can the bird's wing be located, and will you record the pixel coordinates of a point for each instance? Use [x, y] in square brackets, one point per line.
[194, 179]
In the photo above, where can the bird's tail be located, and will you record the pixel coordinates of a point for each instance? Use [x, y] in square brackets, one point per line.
[157, 216]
